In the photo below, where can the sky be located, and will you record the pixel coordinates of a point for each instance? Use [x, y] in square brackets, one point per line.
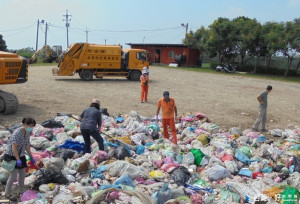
[127, 21]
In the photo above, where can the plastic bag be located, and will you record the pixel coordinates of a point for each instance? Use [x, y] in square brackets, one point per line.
[231, 166]
[276, 132]
[274, 152]
[50, 177]
[124, 180]
[229, 197]
[119, 168]
[290, 195]
[52, 124]
[180, 175]
[272, 192]
[248, 193]
[164, 194]
[28, 195]
[204, 139]
[157, 174]
[4, 174]
[245, 172]
[198, 154]
[247, 150]
[241, 156]
[121, 152]
[294, 180]
[296, 163]
[218, 172]
[39, 142]
[140, 149]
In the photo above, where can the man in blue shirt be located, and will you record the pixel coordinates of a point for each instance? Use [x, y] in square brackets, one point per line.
[263, 104]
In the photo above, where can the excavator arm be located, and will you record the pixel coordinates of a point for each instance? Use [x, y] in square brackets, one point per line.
[48, 53]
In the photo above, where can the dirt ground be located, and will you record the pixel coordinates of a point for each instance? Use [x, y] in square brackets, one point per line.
[227, 99]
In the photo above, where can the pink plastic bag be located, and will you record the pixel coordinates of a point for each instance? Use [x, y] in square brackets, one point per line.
[226, 157]
[158, 163]
[253, 135]
[196, 198]
[28, 195]
[168, 160]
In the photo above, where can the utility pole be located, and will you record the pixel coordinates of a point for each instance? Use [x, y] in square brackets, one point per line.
[46, 33]
[86, 35]
[68, 18]
[37, 34]
[186, 27]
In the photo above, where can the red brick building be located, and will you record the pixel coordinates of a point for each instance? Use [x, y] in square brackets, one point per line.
[168, 53]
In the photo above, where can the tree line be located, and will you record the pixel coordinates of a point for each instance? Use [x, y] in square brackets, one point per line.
[242, 39]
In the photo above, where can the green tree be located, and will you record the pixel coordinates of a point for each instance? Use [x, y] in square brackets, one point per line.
[3, 46]
[248, 32]
[223, 40]
[296, 41]
[26, 52]
[290, 43]
[197, 40]
[272, 36]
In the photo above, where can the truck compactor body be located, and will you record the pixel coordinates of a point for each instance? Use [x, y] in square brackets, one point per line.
[89, 60]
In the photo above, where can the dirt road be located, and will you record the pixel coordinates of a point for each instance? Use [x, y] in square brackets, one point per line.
[229, 100]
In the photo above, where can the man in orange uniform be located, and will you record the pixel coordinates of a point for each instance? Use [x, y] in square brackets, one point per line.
[169, 110]
[144, 86]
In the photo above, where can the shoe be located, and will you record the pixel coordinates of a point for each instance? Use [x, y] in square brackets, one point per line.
[10, 197]
[264, 130]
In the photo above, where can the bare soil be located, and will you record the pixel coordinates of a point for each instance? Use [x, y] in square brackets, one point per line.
[227, 99]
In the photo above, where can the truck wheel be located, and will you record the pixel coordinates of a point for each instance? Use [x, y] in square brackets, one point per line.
[135, 75]
[86, 75]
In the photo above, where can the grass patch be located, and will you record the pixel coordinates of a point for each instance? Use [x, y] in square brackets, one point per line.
[43, 64]
[206, 69]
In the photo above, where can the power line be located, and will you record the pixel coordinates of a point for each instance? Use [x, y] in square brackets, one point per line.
[18, 28]
[130, 31]
[18, 31]
[122, 31]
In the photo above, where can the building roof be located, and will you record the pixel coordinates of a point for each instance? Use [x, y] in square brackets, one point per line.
[156, 45]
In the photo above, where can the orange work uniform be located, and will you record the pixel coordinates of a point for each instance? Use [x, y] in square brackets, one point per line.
[144, 87]
[168, 114]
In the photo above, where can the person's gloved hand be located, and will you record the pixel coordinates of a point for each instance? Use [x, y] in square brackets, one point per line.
[19, 163]
[32, 160]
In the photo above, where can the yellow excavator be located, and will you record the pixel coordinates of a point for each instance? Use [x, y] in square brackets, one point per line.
[51, 54]
[13, 70]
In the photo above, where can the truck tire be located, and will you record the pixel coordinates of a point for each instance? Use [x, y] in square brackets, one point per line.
[135, 75]
[8, 103]
[86, 75]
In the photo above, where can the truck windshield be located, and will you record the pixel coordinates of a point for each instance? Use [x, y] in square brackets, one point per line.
[141, 56]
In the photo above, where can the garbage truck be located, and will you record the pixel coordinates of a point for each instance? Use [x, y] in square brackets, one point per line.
[13, 70]
[94, 60]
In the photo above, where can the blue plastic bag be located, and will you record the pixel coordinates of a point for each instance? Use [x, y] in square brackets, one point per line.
[164, 194]
[98, 173]
[241, 156]
[267, 169]
[140, 149]
[124, 180]
[245, 172]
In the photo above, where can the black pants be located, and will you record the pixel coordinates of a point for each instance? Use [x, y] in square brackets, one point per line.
[86, 133]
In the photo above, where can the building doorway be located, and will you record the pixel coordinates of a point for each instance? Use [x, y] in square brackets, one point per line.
[157, 56]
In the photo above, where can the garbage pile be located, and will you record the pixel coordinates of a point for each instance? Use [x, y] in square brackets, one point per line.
[209, 165]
